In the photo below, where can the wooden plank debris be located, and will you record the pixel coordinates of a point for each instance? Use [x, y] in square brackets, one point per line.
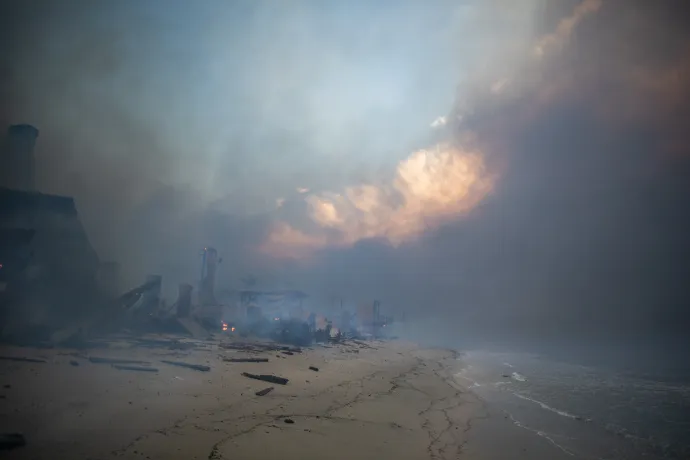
[196, 367]
[267, 378]
[134, 368]
[22, 359]
[258, 347]
[98, 360]
[264, 392]
[245, 360]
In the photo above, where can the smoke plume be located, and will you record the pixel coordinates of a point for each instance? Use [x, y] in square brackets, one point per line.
[432, 186]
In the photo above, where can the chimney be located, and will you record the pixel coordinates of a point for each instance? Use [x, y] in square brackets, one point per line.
[18, 165]
[208, 277]
[184, 300]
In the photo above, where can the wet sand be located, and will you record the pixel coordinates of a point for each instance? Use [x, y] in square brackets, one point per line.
[393, 400]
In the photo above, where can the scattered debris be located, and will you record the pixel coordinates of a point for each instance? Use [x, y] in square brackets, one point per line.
[171, 344]
[11, 440]
[289, 420]
[97, 360]
[258, 347]
[245, 360]
[312, 368]
[246, 348]
[362, 344]
[22, 359]
[196, 367]
[134, 368]
[292, 349]
[131, 297]
[264, 392]
[267, 378]
[287, 353]
[74, 362]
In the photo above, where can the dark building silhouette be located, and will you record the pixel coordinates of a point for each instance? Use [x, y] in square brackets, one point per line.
[59, 275]
[17, 164]
[49, 270]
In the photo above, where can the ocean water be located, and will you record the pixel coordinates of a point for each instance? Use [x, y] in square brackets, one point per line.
[587, 412]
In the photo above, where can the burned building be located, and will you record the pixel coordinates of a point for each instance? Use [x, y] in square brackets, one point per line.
[209, 264]
[59, 265]
[49, 273]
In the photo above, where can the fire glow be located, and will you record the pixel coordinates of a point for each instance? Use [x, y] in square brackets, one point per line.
[225, 327]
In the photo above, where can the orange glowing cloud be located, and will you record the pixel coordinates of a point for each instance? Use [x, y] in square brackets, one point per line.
[430, 188]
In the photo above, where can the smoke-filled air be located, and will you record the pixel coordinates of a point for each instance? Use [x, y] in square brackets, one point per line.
[266, 228]
[454, 155]
[431, 186]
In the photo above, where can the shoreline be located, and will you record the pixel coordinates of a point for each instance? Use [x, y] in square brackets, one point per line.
[383, 400]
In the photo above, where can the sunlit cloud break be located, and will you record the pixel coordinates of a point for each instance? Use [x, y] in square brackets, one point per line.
[430, 187]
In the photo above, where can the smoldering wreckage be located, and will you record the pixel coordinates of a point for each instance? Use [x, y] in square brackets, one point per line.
[55, 292]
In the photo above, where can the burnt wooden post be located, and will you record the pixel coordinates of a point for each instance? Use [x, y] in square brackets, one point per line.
[184, 300]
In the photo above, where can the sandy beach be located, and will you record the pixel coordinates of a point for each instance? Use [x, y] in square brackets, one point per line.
[375, 401]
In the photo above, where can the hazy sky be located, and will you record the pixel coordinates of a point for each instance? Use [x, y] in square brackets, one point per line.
[472, 161]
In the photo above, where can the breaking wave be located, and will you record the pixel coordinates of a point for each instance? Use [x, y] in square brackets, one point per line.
[518, 377]
[549, 408]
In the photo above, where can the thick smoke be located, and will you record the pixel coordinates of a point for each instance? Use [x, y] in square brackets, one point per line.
[432, 186]
[544, 201]
[579, 127]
